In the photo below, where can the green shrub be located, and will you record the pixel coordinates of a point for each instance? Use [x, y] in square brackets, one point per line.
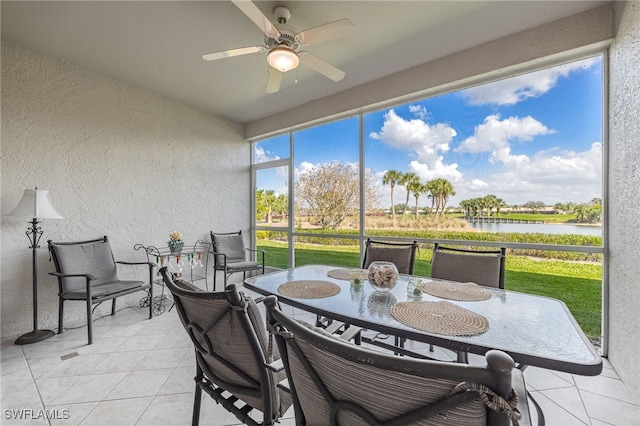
[511, 237]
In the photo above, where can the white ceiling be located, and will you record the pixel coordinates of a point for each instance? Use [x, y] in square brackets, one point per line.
[158, 45]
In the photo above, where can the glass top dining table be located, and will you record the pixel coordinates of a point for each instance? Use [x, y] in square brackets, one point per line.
[533, 330]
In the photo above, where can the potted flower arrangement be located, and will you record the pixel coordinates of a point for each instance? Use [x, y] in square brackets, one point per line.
[175, 242]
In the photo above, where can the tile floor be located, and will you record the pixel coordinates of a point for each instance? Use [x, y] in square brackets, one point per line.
[140, 372]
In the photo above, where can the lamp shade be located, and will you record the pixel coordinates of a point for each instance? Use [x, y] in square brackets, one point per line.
[283, 59]
[35, 203]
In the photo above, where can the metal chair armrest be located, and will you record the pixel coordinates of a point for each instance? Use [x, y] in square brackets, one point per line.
[215, 259]
[61, 275]
[262, 253]
[151, 264]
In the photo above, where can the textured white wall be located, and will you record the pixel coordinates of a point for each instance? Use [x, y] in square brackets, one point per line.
[624, 198]
[118, 161]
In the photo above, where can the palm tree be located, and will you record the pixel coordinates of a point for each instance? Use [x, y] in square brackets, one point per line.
[467, 206]
[446, 193]
[431, 193]
[490, 202]
[417, 188]
[499, 205]
[391, 178]
[407, 180]
[441, 190]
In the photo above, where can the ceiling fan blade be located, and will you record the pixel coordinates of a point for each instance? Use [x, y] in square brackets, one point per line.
[275, 77]
[321, 66]
[251, 10]
[330, 31]
[233, 52]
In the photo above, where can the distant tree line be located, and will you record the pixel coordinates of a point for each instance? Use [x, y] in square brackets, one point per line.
[331, 193]
[590, 212]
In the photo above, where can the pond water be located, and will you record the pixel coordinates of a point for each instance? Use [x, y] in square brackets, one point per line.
[545, 228]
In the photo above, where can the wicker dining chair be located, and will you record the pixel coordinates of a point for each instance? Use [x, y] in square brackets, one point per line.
[334, 382]
[233, 361]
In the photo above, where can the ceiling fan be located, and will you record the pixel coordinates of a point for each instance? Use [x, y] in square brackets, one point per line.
[283, 44]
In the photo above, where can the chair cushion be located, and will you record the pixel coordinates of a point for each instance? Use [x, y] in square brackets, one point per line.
[106, 289]
[242, 266]
[94, 258]
[230, 245]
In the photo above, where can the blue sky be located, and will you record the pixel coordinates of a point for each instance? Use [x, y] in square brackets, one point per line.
[536, 136]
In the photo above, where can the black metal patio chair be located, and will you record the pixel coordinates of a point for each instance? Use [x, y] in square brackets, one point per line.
[233, 360]
[334, 382]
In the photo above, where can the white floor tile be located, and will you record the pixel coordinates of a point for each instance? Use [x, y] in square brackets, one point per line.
[140, 372]
[554, 414]
[119, 362]
[172, 409]
[570, 400]
[119, 412]
[50, 388]
[75, 366]
[605, 386]
[72, 414]
[141, 343]
[611, 410]
[541, 379]
[140, 383]
[89, 388]
[180, 381]
[19, 391]
[161, 358]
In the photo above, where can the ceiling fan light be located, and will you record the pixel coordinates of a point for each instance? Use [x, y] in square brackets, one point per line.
[283, 58]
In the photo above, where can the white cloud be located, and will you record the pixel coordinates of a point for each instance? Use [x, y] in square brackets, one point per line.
[304, 167]
[415, 134]
[550, 176]
[426, 141]
[531, 85]
[494, 135]
[262, 155]
[419, 111]
[477, 185]
[438, 170]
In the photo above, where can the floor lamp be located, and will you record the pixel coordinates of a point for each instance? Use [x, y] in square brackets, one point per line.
[35, 204]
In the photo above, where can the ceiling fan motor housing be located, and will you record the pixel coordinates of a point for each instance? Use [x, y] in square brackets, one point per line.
[287, 37]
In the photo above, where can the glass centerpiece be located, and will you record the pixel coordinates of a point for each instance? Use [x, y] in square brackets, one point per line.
[383, 276]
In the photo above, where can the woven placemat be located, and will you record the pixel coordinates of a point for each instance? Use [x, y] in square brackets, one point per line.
[440, 317]
[309, 289]
[467, 292]
[344, 273]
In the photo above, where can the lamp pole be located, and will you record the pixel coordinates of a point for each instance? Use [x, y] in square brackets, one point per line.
[34, 233]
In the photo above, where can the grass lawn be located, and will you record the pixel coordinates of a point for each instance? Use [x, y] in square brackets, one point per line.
[578, 285]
